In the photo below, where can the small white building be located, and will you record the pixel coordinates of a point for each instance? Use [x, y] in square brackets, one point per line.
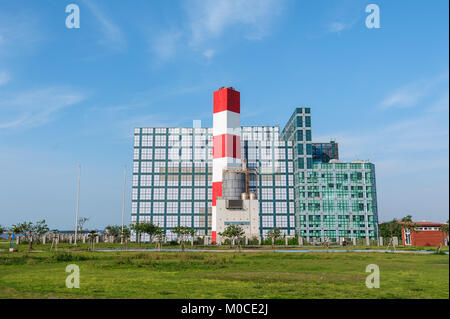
[243, 213]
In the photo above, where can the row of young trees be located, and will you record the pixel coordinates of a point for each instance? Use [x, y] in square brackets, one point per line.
[236, 233]
[31, 231]
[153, 231]
[233, 232]
[34, 230]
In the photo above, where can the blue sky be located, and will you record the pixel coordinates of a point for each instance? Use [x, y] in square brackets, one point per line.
[70, 96]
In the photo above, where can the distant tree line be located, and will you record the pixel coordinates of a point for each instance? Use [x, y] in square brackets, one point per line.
[393, 228]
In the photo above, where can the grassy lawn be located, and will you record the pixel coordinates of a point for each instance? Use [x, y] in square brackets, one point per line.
[222, 275]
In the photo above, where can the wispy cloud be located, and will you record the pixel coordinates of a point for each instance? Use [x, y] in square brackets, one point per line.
[145, 108]
[4, 78]
[406, 145]
[18, 31]
[165, 44]
[36, 107]
[402, 139]
[209, 19]
[411, 94]
[112, 35]
[209, 53]
[337, 17]
[404, 97]
[337, 27]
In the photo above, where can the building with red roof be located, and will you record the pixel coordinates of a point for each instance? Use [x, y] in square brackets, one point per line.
[425, 234]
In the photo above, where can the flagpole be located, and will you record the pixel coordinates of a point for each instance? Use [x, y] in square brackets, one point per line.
[123, 198]
[78, 204]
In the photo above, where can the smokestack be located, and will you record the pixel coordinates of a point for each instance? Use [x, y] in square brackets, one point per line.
[226, 141]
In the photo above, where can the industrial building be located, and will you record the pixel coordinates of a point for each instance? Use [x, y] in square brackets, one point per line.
[281, 179]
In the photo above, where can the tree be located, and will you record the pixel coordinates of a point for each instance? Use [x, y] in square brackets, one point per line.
[444, 230]
[30, 230]
[143, 228]
[113, 230]
[183, 231]
[390, 229]
[17, 229]
[2, 230]
[233, 232]
[274, 234]
[149, 229]
[396, 229]
[137, 228]
[81, 222]
[159, 233]
[54, 239]
[406, 219]
[327, 242]
[40, 228]
[125, 234]
[91, 239]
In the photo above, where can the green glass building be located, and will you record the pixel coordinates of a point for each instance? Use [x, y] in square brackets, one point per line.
[332, 199]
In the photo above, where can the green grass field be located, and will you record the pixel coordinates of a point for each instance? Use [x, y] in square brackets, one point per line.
[222, 275]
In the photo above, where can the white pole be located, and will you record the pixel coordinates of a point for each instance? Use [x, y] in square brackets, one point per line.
[78, 204]
[123, 199]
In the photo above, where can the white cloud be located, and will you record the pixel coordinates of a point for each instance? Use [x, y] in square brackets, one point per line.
[211, 18]
[209, 53]
[337, 27]
[404, 97]
[36, 107]
[208, 20]
[4, 78]
[112, 34]
[411, 94]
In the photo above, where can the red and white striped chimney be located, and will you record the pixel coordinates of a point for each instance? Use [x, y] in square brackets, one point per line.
[226, 141]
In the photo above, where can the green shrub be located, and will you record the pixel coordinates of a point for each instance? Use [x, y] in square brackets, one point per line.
[66, 256]
[8, 260]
